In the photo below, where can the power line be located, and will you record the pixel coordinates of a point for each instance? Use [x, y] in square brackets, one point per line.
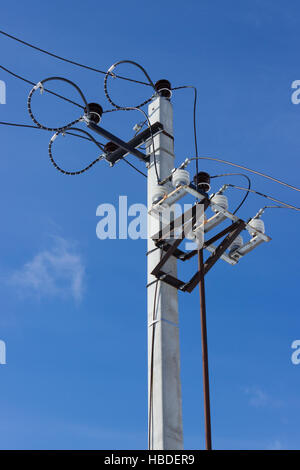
[134, 167]
[34, 83]
[134, 108]
[78, 172]
[30, 82]
[194, 115]
[265, 196]
[147, 120]
[110, 73]
[41, 86]
[101, 145]
[39, 126]
[13, 124]
[247, 169]
[247, 193]
[93, 69]
[274, 207]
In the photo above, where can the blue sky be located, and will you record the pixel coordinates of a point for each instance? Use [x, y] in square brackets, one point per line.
[73, 307]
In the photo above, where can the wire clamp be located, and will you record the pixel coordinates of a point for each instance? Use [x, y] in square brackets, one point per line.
[39, 86]
[85, 118]
[110, 71]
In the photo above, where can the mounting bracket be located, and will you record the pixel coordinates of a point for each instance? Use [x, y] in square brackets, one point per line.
[130, 147]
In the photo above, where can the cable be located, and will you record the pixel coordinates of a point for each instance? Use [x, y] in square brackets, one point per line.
[41, 86]
[45, 89]
[244, 168]
[194, 121]
[72, 102]
[134, 167]
[151, 133]
[247, 193]
[265, 196]
[42, 129]
[133, 108]
[93, 69]
[100, 145]
[151, 370]
[154, 318]
[194, 116]
[72, 173]
[110, 73]
[152, 139]
[274, 207]
[141, 125]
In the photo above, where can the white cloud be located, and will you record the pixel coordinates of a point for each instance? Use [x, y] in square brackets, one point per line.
[276, 445]
[259, 398]
[58, 271]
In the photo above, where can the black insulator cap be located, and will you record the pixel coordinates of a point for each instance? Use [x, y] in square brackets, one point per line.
[95, 112]
[202, 181]
[163, 88]
[110, 147]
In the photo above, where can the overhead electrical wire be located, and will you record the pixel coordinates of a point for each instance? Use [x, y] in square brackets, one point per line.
[134, 108]
[45, 89]
[134, 167]
[93, 69]
[247, 193]
[78, 172]
[194, 115]
[152, 140]
[274, 207]
[194, 120]
[107, 73]
[247, 169]
[110, 73]
[65, 99]
[30, 82]
[265, 196]
[101, 145]
[13, 124]
[40, 85]
[39, 126]
[151, 134]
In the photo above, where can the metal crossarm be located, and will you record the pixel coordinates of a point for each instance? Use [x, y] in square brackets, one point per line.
[239, 226]
[177, 223]
[129, 147]
[185, 222]
[206, 244]
[185, 229]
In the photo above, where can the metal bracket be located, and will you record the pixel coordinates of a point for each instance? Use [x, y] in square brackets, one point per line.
[130, 147]
[188, 220]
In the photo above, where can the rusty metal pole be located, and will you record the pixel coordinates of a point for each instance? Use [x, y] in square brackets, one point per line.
[208, 444]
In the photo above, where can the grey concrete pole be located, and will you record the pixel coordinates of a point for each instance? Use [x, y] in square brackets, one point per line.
[164, 398]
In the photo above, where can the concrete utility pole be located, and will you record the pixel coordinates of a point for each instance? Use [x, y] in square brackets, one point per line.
[164, 386]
